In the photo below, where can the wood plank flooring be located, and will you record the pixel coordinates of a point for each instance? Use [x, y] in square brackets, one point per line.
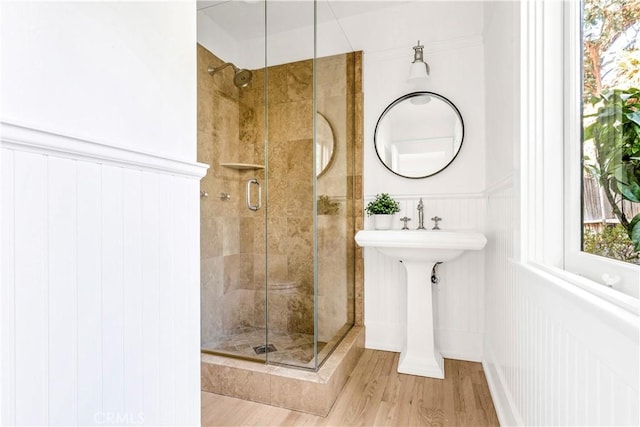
[376, 395]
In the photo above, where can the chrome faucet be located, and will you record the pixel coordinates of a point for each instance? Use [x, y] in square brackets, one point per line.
[436, 219]
[421, 215]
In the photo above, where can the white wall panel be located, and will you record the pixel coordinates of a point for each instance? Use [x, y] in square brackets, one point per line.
[63, 323]
[133, 295]
[458, 298]
[100, 295]
[554, 354]
[151, 304]
[384, 301]
[115, 112]
[31, 289]
[112, 249]
[184, 194]
[166, 302]
[89, 273]
[7, 290]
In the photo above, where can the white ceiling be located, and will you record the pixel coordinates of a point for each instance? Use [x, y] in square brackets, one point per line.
[235, 29]
[244, 19]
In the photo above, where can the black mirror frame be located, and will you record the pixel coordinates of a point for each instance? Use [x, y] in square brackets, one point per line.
[399, 100]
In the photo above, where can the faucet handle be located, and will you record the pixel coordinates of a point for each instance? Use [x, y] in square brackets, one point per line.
[436, 219]
[405, 219]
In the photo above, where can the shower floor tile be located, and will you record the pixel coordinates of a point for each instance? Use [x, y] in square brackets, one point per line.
[291, 349]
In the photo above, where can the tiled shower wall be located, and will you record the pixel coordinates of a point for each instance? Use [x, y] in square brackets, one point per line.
[231, 129]
[221, 246]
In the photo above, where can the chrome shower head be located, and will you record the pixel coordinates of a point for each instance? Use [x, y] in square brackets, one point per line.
[242, 77]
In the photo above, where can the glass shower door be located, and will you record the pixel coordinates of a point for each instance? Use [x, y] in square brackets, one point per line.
[290, 171]
[231, 137]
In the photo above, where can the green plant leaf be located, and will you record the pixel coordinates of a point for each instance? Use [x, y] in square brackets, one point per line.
[383, 204]
[634, 117]
[587, 133]
[630, 191]
[626, 182]
[634, 232]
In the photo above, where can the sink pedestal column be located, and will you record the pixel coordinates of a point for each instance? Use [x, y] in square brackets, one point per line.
[419, 355]
[416, 249]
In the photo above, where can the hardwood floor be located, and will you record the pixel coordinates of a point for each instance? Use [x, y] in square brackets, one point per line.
[376, 395]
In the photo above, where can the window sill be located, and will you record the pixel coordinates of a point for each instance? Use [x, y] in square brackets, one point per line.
[593, 267]
[622, 300]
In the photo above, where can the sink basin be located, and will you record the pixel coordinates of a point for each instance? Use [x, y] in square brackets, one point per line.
[417, 245]
[419, 251]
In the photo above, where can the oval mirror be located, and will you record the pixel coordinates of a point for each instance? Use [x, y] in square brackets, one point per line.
[325, 145]
[418, 135]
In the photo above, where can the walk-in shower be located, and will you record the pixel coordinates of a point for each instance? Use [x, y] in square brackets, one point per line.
[278, 276]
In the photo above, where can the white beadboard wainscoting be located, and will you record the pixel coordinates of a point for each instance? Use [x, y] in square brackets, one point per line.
[100, 284]
[458, 298]
[554, 354]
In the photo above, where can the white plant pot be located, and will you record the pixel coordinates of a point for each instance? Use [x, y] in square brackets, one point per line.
[382, 222]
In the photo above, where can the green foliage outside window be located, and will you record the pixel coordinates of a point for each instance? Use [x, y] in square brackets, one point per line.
[615, 134]
[611, 112]
[611, 242]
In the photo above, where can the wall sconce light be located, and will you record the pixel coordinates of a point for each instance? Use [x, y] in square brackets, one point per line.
[418, 75]
[419, 69]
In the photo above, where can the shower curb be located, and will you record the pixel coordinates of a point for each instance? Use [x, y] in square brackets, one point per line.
[299, 390]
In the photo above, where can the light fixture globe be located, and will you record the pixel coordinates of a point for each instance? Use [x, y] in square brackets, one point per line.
[418, 71]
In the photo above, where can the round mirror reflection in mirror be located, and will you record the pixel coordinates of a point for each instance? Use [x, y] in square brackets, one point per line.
[419, 135]
[325, 144]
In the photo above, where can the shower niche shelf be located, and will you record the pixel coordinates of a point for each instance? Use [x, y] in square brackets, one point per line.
[242, 166]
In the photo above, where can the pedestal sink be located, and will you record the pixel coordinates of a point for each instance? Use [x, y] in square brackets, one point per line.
[419, 250]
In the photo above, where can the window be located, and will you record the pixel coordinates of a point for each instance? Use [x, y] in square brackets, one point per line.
[588, 211]
[611, 129]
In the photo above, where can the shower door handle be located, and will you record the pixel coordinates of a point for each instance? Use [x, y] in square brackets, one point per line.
[250, 205]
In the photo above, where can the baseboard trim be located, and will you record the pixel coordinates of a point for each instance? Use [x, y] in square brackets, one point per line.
[502, 400]
[460, 345]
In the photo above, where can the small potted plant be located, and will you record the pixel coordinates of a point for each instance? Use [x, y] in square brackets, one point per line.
[382, 208]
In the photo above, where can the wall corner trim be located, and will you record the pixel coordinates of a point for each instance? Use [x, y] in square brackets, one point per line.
[25, 138]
